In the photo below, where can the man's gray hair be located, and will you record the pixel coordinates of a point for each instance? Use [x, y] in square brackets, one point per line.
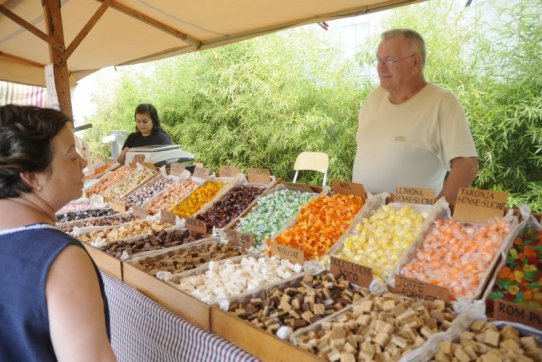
[414, 37]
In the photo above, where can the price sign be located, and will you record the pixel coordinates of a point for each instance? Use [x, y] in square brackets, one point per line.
[118, 206]
[137, 159]
[414, 195]
[506, 311]
[348, 188]
[297, 187]
[228, 171]
[294, 255]
[259, 175]
[176, 169]
[478, 206]
[196, 226]
[201, 172]
[139, 212]
[417, 289]
[168, 217]
[354, 273]
[239, 239]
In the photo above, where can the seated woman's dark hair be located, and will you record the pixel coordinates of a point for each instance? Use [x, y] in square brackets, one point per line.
[146, 108]
[26, 135]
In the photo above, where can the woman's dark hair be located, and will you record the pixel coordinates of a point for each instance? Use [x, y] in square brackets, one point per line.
[146, 108]
[26, 134]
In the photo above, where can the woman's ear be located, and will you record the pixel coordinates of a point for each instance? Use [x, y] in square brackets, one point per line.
[31, 179]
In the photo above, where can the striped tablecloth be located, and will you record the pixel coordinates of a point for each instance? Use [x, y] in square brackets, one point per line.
[142, 330]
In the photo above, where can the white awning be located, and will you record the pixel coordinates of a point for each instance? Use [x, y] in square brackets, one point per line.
[103, 33]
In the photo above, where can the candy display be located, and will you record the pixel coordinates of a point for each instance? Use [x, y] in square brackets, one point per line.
[103, 237]
[139, 176]
[230, 278]
[377, 329]
[84, 214]
[170, 196]
[197, 199]
[82, 204]
[320, 223]
[485, 342]
[149, 190]
[110, 220]
[230, 206]
[380, 240]
[520, 280]
[109, 180]
[158, 239]
[180, 260]
[298, 303]
[271, 212]
[457, 256]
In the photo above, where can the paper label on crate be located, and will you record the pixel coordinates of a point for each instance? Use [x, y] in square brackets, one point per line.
[168, 217]
[99, 198]
[348, 188]
[150, 166]
[228, 171]
[137, 159]
[118, 205]
[139, 212]
[297, 187]
[176, 169]
[478, 206]
[354, 273]
[506, 311]
[201, 172]
[258, 175]
[418, 289]
[239, 239]
[414, 195]
[294, 255]
[195, 225]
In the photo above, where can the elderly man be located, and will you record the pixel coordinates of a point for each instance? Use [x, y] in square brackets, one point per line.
[411, 132]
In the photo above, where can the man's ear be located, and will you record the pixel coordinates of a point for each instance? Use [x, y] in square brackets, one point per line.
[418, 64]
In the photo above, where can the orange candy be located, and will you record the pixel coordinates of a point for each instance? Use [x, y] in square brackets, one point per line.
[320, 224]
[457, 256]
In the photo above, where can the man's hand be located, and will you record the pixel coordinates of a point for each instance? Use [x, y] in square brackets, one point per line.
[464, 170]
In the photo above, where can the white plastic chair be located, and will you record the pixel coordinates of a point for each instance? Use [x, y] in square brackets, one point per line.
[312, 161]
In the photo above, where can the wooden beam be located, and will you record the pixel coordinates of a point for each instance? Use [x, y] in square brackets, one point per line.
[21, 60]
[87, 28]
[31, 28]
[154, 23]
[53, 22]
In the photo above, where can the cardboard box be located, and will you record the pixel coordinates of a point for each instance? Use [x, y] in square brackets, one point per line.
[256, 341]
[186, 306]
[105, 262]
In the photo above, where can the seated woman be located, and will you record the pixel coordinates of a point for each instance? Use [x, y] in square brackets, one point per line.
[148, 131]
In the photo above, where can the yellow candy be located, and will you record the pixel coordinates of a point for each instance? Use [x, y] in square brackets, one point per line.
[379, 241]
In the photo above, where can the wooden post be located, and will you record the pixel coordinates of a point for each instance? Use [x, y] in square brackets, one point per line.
[53, 21]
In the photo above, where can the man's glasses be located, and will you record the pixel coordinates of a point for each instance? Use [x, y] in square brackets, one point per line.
[390, 62]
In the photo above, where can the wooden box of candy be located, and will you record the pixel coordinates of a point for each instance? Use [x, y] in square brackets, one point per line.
[515, 291]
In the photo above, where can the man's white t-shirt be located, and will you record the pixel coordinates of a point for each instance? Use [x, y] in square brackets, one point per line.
[410, 144]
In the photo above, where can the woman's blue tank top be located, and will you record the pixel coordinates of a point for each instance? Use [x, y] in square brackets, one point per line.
[26, 254]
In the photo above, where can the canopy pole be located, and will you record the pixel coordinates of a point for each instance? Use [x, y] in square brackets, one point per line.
[53, 21]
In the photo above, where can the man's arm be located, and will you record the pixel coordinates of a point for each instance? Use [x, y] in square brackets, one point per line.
[464, 170]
